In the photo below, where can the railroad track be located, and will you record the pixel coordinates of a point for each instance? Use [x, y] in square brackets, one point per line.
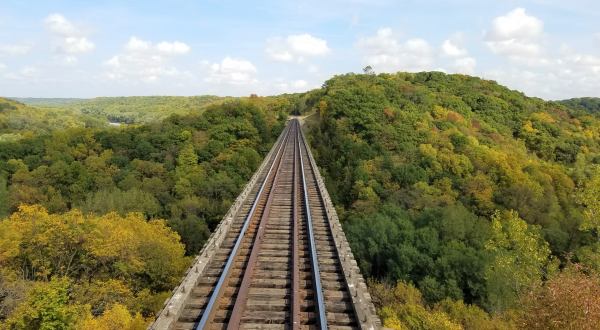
[277, 265]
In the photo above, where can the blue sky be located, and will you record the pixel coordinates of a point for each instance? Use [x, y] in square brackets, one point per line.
[545, 48]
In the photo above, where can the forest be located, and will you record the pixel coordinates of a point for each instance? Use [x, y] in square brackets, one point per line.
[127, 110]
[18, 120]
[466, 204]
[100, 221]
[590, 104]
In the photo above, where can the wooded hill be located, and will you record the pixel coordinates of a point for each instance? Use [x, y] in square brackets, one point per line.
[18, 120]
[469, 205]
[461, 187]
[590, 104]
[129, 110]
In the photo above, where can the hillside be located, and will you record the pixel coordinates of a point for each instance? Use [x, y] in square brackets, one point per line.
[141, 109]
[46, 102]
[589, 104]
[127, 110]
[456, 185]
[18, 120]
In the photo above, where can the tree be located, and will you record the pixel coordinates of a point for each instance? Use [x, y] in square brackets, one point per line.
[368, 70]
[47, 307]
[568, 300]
[519, 257]
[3, 197]
[39, 246]
[122, 202]
[117, 317]
[402, 307]
[589, 197]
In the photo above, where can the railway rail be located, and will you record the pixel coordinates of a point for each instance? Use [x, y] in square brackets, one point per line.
[278, 260]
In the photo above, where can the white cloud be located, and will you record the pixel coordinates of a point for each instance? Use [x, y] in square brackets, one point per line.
[70, 39]
[515, 25]
[232, 71]
[137, 45]
[515, 35]
[75, 45]
[305, 44]
[294, 86]
[173, 48]
[144, 61]
[296, 47]
[15, 49]
[58, 24]
[570, 74]
[299, 84]
[452, 49]
[385, 52]
[2, 66]
[465, 65]
[584, 62]
[461, 61]
[549, 72]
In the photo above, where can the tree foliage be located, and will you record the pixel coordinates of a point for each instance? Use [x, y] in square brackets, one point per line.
[83, 205]
[456, 185]
[568, 300]
[519, 260]
[186, 169]
[83, 264]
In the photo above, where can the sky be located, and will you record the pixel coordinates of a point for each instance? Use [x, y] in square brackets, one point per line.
[67, 48]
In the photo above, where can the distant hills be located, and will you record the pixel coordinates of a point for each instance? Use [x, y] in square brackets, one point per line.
[18, 119]
[129, 110]
[46, 102]
[589, 104]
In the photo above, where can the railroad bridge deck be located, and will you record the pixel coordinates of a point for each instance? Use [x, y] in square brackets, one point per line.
[278, 260]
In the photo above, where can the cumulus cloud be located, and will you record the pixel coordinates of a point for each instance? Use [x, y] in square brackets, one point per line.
[465, 65]
[582, 62]
[70, 39]
[454, 49]
[144, 61]
[173, 48]
[563, 75]
[386, 52]
[515, 35]
[296, 47]
[548, 72]
[282, 85]
[232, 71]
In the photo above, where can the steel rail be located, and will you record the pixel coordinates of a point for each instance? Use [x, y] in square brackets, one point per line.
[209, 310]
[295, 308]
[242, 296]
[322, 316]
